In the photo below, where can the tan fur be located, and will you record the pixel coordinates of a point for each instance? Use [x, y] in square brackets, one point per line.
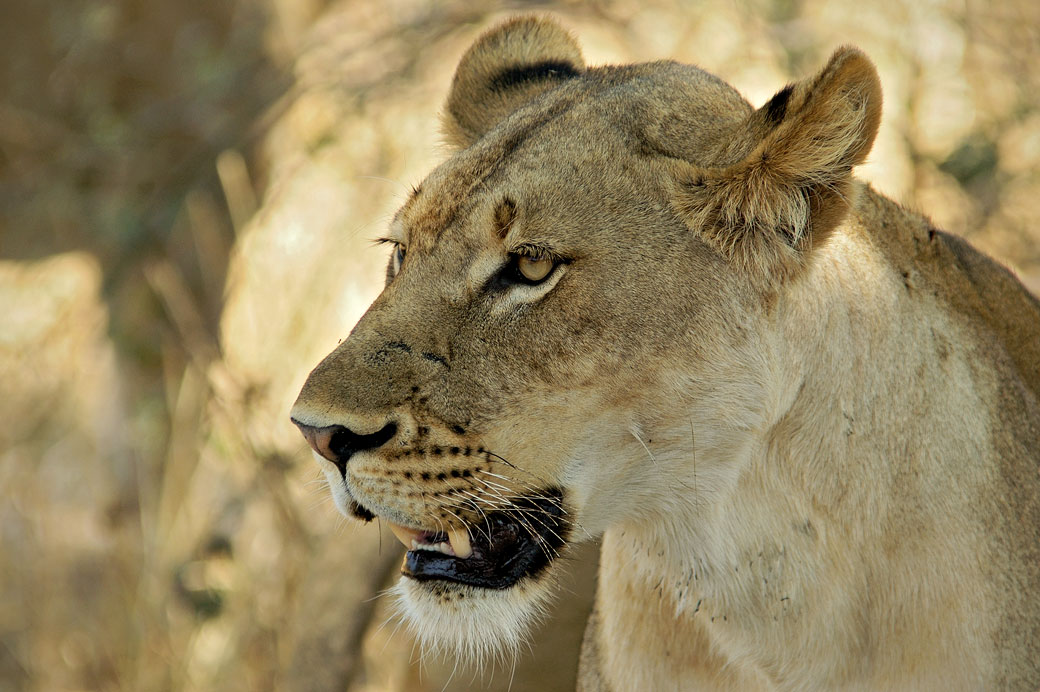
[805, 423]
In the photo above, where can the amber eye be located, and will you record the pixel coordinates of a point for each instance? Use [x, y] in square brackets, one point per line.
[534, 269]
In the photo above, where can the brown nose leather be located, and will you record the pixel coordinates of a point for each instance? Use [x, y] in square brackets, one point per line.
[320, 439]
[337, 443]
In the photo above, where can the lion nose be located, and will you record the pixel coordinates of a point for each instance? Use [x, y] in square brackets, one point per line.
[338, 443]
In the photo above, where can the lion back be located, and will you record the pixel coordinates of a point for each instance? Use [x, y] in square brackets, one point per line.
[1004, 318]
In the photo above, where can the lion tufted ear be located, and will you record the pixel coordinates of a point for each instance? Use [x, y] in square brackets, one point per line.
[791, 183]
[506, 67]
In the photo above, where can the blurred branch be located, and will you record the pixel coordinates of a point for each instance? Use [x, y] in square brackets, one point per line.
[169, 285]
[238, 190]
[328, 650]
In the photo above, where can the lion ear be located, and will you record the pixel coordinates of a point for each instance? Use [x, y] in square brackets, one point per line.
[506, 67]
[792, 180]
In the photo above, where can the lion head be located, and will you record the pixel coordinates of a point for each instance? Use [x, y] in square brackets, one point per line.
[569, 311]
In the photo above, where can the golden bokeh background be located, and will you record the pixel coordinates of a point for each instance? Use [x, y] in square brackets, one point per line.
[187, 194]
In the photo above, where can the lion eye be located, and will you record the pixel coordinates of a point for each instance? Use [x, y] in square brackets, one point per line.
[398, 258]
[534, 269]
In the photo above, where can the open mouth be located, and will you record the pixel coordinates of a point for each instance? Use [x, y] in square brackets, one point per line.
[493, 554]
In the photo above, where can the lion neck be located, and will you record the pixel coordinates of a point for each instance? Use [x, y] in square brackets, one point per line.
[741, 536]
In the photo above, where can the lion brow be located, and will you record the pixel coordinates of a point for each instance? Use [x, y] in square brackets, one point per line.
[479, 167]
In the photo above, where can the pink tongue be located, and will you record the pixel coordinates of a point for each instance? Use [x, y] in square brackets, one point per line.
[458, 539]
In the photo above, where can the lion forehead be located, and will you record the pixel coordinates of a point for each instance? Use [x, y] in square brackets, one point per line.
[598, 120]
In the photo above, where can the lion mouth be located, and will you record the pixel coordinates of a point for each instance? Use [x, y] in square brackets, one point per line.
[495, 553]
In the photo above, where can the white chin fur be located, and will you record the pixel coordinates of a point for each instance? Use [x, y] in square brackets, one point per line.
[473, 625]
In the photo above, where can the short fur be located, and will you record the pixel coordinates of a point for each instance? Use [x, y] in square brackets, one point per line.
[805, 422]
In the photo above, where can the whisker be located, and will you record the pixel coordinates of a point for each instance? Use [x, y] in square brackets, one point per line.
[523, 484]
[483, 514]
[653, 458]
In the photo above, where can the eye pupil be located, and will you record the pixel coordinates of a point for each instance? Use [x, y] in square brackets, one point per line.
[534, 268]
[398, 258]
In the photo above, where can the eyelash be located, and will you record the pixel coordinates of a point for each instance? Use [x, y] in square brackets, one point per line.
[397, 255]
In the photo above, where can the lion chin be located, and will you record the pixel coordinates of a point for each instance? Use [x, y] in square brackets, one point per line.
[474, 592]
[472, 624]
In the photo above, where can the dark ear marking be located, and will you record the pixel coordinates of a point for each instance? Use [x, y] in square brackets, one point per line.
[793, 186]
[534, 72]
[776, 109]
[504, 69]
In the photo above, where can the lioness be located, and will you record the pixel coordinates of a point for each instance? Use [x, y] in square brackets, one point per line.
[630, 305]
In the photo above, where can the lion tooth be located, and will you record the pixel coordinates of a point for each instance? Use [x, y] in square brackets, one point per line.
[459, 540]
[410, 537]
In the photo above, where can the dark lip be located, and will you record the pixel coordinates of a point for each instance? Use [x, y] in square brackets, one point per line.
[359, 511]
[511, 544]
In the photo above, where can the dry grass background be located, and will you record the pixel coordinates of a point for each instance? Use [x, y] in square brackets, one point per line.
[187, 191]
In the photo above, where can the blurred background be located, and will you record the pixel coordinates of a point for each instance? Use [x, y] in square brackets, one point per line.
[188, 191]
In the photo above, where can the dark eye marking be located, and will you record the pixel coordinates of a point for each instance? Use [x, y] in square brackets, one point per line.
[434, 358]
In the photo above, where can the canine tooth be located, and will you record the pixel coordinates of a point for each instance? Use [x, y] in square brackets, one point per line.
[459, 540]
[415, 544]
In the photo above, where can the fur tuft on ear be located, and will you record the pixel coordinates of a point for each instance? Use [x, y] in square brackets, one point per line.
[792, 179]
[506, 67]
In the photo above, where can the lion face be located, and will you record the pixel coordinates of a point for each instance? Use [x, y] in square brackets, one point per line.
[549, 321]
[481, 403]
